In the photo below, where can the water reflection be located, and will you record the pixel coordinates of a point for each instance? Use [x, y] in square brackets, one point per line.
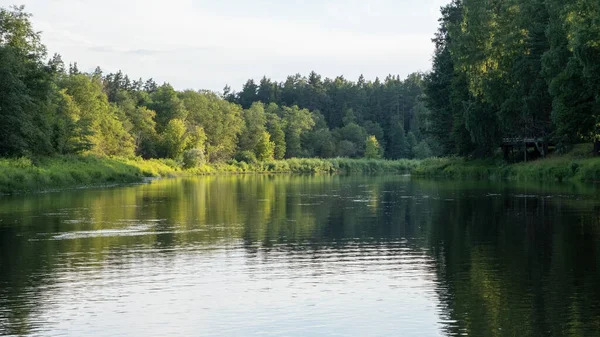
[302, 255]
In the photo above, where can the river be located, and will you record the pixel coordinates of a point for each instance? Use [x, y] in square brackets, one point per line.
[289, 255]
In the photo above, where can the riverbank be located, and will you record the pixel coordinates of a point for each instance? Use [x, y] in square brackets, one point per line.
[550, 169]
[26, 175]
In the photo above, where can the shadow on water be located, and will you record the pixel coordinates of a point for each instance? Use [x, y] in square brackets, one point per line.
[504, 259]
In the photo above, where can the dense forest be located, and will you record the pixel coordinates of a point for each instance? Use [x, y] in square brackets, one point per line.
[390, 112]
[515, 68]
[510, 68]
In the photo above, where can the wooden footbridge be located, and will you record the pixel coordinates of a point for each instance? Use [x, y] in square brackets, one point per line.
[540, 146]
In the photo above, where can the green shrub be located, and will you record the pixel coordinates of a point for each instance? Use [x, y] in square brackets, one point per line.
[246, 157]
[193, 158]
[22, 162]
[170, 163]
[422, 150]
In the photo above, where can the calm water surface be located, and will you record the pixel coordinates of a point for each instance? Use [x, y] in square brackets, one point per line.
[302, 256]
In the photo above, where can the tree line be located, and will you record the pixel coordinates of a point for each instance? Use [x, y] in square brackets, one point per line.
[391, 113]
[515, 68]
[50, 108]
[510, 68]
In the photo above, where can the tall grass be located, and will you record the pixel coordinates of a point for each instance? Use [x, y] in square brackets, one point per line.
[565, 168]
[456, 167]
[374, 165]
[310, 166]
[23, 174]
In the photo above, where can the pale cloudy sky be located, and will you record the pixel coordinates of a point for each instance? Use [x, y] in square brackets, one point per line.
[207, 44]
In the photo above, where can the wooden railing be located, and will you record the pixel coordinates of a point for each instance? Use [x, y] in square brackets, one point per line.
[511, 141]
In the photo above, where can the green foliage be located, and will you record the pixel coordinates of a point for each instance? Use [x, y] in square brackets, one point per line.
[167, 105]
[51, 108]
[222, 122]
[114, 140]
[501, 69]
[247, 157]
[422, 151]
[372, 148]
[248, 95]
[255, 121]
[98, 123]
[340, 106]
[193, 158]
[319, 143]
[23, 174]
[26, 111]
[375, 129]
[16, 32]
[196, 138]
[275, 129]
[174, 139]
[411, 143]
[296, 121]
[560, 168]
[265, 148]
[20, 175]
[372, 166]
[140, 120]
[16, 128]
[398, 146]
[309, 166]
[520, 68]
[71, 136]
[347, 149]
[354, 134]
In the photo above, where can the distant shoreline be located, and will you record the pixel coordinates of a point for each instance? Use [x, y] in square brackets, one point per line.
[23, 175]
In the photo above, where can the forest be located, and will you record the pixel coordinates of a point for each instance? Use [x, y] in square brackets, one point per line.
[510, 68]
[515, 68]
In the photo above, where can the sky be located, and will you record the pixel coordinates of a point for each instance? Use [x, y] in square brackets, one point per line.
[197, 44]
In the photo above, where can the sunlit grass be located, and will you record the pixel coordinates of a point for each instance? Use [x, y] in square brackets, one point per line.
[311, 165]
[23, 174]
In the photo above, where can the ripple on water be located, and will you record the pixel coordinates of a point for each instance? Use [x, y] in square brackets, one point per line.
[228, 257]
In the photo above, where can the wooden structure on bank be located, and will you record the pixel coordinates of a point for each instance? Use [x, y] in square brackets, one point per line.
[540, 146]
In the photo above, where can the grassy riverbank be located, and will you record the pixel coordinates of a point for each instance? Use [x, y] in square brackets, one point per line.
[23, 174]
[311, 165]
[559, 168]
